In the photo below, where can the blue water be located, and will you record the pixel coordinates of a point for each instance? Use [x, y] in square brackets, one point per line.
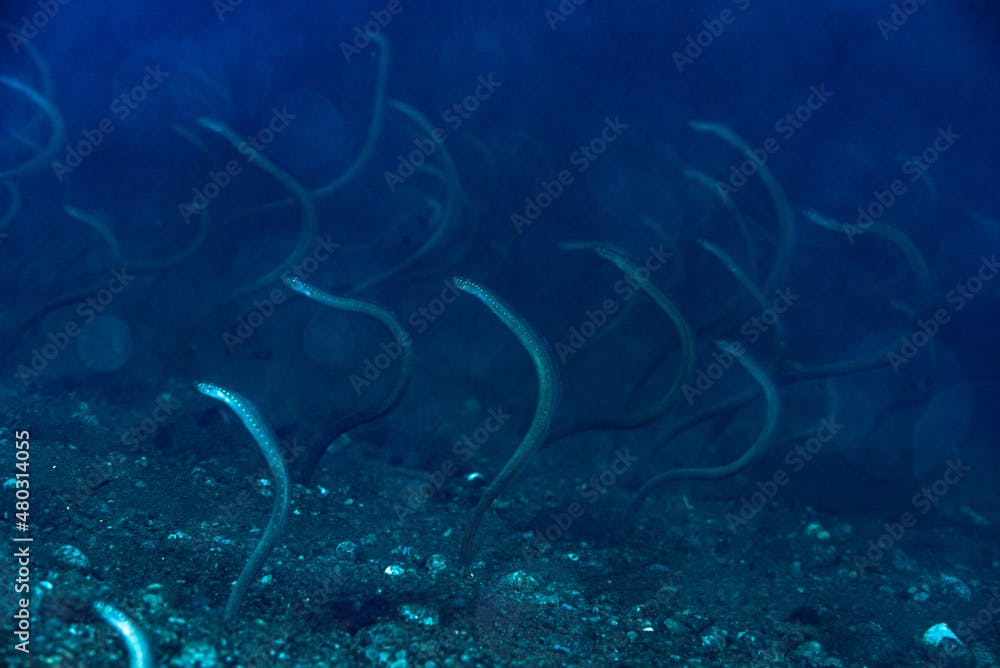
[807, 189]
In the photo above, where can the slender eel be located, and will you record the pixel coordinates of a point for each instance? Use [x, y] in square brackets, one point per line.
[308, 230]
[268, 442]
[453, 206]
[139, 653]
[914, 258]
[55, 119]
[764, 439]
[548, 399]
[621, 260]
[783, 210]
[780, 336]
[305, 467]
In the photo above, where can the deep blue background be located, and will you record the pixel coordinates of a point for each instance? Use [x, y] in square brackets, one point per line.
[892, 93]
